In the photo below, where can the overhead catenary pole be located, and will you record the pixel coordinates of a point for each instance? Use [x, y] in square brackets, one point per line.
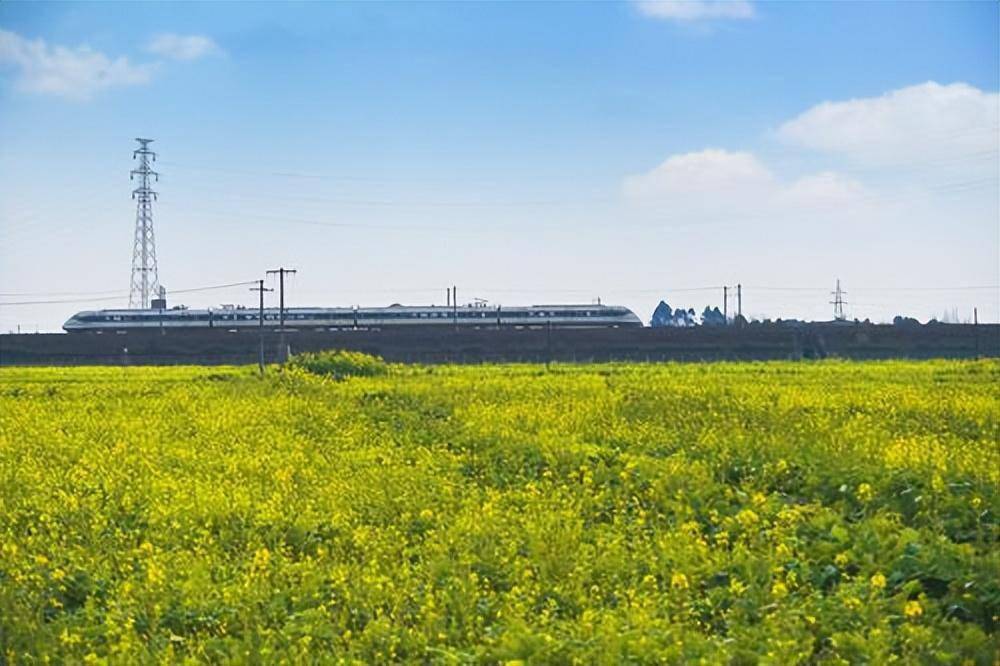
[145, 280]
[260, 322]
[725, 304]
[739, 302]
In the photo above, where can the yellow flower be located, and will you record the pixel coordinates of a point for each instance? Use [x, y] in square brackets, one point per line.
[261, 559]
[155, 574]
[747, 518]
[913, 609]
[878, 581]
[679, 581]
[779, 590]
[852, 603]
[842, 559]
[865, 493]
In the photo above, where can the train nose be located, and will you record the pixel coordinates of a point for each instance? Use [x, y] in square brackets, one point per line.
[73, 323]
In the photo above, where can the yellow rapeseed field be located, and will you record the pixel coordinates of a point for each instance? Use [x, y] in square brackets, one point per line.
[775, 513]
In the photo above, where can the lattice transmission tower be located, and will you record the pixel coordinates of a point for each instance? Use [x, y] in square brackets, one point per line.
[145, 280]
[838, 303]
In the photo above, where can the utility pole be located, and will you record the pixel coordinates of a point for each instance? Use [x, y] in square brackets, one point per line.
[260, 322]
[725, 304]
[281, 272]
[281, 307]
[838, 302]
[144, 272]
[548, 343]
[975, 328]
[454, 305]
[739, 301]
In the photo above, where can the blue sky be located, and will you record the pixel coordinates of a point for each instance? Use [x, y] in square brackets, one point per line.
[526, 152]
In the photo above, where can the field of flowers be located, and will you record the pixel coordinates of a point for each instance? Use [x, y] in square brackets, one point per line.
[742, 513]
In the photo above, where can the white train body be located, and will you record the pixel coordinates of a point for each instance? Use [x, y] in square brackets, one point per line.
[469, 316]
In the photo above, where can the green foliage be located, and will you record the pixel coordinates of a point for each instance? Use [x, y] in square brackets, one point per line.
[340, 364]
[722, 513]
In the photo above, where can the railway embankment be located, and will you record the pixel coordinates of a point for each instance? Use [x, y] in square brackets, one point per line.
[446, 345]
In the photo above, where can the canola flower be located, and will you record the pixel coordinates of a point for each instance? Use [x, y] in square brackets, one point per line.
[345, 509]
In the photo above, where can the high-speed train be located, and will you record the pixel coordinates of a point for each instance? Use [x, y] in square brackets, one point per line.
[467, 316]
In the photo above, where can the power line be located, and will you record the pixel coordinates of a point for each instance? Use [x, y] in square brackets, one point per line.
[218, 286]
[122, 295]
[77, 300]
[106, 295]
[957, 288]
[61, 293]
[962, 288]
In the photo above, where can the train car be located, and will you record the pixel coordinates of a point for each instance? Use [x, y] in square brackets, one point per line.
[394, 316]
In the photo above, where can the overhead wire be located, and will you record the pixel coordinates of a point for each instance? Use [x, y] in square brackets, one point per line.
[112, 295]
[122, 295]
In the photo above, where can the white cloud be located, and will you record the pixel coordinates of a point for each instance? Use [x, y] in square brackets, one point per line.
[920, 145]
[822, 189]
[716, 182]
[701, 173]
[924, 122]
[182, 47]
[75, 73]
[696, 10]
